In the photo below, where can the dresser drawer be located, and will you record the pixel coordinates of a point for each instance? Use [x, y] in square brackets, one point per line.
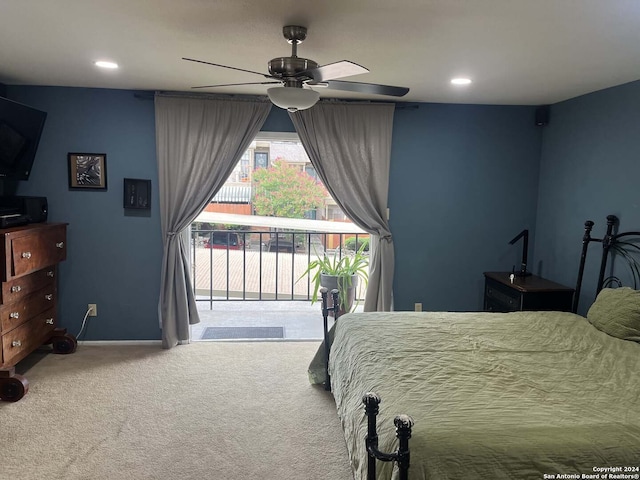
[38, 250]
[21, 341]
[501, 300]
[18, 288]
[26, 308]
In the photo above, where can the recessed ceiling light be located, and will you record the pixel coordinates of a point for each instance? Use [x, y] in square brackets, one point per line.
[461, 81]
[103, 64]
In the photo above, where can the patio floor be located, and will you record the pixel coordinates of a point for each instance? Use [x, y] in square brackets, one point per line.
[299, 319]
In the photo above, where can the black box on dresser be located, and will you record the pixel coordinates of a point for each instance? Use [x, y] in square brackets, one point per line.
[31, 209]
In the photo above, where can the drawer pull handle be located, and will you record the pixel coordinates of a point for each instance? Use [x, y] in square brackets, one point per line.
[49, 321]
[16, 288]
[49, 296]
[60, 244]
[14, 315]
[50, 273]
[16, 343]
[26, 254]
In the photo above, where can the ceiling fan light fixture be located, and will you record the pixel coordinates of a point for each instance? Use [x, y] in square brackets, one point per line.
[292, 98]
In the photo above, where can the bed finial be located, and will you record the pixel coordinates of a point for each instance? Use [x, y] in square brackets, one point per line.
[403, 422]
[371, 401]
[588, 225]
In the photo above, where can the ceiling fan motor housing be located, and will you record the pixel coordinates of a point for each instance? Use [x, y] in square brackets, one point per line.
[284, 67]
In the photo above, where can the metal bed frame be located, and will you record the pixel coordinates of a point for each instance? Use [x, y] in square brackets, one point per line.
[611, 242]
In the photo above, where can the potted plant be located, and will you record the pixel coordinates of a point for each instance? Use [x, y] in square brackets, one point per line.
[342, 273]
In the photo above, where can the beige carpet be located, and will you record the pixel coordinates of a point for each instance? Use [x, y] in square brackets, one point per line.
[201, 411]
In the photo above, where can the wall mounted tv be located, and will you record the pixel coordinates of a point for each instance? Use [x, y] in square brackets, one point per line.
[20, 130]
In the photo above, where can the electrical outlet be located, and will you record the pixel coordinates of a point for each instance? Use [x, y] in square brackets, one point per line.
[93, 307]
[418, 307]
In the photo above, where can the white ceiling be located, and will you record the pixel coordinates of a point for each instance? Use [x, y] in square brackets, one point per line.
[516, 51]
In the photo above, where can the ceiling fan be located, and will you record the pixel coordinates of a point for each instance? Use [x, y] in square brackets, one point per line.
[295, 73]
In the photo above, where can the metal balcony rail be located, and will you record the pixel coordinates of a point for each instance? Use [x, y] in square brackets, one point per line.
[265, 265]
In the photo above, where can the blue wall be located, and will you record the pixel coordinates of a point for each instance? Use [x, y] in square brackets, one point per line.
[464, 180]
[590, 167]
[463, 183]
[113, 260]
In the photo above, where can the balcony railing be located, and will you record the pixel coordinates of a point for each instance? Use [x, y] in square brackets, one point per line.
[269, 265]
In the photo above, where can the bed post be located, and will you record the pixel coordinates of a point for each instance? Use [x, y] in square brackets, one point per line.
[403, 424]
[588, 225]
[607, 241]
[325, 316]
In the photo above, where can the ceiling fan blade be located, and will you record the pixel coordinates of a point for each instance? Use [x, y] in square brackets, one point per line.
[373, 88]
[343, 68]
[227, 66]
[235, 84]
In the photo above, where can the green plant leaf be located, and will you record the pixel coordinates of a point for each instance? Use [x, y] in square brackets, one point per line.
[344, 268]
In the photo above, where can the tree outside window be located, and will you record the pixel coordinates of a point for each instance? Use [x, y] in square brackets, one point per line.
[284, 191]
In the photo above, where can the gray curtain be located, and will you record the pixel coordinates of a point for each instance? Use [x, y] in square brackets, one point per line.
[350, 147]
[199, 140]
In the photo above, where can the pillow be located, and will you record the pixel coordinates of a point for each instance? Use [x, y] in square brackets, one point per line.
[616, 311]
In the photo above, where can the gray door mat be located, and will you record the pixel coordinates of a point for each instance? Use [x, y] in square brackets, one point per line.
[224, 333]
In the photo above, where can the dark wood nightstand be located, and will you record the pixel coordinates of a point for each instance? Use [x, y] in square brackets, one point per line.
[525, 293]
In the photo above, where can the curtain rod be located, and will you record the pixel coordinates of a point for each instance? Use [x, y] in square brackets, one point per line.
[398, 105]
[148, 95]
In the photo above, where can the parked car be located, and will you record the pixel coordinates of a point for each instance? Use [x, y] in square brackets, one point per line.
[230, 241]
[282, 242]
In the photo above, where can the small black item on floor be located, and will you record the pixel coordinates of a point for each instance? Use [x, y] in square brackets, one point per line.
[227, 333]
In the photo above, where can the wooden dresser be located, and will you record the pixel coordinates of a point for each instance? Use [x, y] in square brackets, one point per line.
[525, 293]
[29, 256]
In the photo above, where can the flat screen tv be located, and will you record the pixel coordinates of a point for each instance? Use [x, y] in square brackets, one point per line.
[20, 130]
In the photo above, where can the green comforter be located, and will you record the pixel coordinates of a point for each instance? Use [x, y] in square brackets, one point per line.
[493, 396]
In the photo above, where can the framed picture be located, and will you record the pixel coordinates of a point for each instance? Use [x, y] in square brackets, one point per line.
[88, 171]
[137, 193]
